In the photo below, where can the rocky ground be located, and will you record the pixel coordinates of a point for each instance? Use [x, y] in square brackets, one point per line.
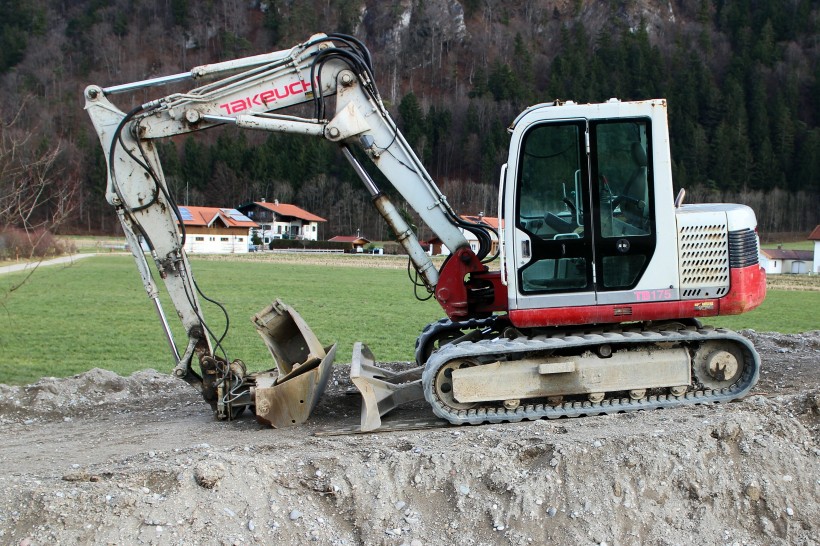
[103, 459]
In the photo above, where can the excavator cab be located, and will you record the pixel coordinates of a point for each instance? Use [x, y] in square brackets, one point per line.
[589, 196]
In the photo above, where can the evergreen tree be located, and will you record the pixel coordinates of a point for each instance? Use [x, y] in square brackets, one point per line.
[412, 119]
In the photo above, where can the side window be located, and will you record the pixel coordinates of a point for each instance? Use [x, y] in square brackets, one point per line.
[624, 190]
[552, 208]
[623, 178]
[550, 202]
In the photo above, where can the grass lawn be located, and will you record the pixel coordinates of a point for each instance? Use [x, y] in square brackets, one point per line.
[791, 245]
[95, 313]
[786, 311]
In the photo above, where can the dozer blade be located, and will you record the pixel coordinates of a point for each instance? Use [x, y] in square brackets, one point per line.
[286, 397]
[382, 390]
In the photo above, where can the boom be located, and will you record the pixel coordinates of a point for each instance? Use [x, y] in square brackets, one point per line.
[249, 93]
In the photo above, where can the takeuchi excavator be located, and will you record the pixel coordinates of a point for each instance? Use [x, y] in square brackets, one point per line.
[602, 273]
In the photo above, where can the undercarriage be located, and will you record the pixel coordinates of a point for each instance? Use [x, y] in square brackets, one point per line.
[576, 372]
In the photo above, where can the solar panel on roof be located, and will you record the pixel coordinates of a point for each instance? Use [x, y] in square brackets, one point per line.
[236, 215]
[185, 214]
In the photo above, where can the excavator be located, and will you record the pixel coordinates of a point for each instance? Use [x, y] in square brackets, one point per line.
[601, 278]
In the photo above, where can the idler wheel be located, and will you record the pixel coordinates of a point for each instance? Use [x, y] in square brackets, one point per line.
[444, 383]
[718, 364]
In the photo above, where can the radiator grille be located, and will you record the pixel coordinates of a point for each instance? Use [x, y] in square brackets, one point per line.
[743, 250]
[703, 251]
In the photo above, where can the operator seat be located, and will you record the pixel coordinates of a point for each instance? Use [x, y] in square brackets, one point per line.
[634, 196]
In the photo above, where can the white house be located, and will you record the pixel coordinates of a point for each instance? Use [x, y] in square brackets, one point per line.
[777, 261]
[282, 221]
[815, 236]
[211, 230]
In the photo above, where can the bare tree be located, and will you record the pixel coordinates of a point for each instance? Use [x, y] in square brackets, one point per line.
[38, 192]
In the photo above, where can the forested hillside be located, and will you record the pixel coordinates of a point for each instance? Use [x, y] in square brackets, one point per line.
[742, 79]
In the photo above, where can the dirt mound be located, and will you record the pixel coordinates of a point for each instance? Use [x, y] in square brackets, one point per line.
[88, 392]
[150, 465]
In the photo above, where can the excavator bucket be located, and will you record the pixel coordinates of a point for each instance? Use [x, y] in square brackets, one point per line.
[286, 396]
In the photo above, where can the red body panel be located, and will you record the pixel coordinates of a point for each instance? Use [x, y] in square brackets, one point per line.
[467, 289]
[748, 288]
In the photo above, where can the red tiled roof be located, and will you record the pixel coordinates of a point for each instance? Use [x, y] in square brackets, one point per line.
[815, 234]
[784, 254]
[491, 221]
[284, 209]
[207, 216]
[349, 239]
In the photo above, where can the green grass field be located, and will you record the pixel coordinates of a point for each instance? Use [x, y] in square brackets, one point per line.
[66, 320]
[791, 245]
[785, 311]
[95, 313]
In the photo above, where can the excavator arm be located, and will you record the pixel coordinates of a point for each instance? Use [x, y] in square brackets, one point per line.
[251, 93]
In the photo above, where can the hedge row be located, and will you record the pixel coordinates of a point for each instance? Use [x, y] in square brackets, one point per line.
[301, 244]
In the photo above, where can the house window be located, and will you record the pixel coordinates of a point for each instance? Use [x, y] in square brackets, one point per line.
[279, 229]
[314, 229]
[224, 239]
[211, 239]
[199, 238]
[240, 239]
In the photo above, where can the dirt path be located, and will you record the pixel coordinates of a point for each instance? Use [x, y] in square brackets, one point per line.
[34, 264]
[101, 459]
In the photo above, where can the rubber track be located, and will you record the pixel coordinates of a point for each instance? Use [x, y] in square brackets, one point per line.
[434, 329]
[501, 349]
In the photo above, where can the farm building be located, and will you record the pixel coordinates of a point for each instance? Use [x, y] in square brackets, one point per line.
[437, 247]
[815, 236]
[356, 243]
[777, 261]
[211, 230]
[282, 221]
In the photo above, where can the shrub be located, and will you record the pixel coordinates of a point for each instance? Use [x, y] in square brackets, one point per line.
[16, 244]
[284, 244]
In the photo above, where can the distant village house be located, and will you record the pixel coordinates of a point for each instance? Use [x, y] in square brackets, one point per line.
[777, 261]
[353, 243]
[282, 221]
[211, 230]
[815, 236]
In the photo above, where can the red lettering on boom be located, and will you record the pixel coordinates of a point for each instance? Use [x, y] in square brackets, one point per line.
[266, 97]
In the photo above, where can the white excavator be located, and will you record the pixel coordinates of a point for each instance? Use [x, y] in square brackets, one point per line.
[602, 273]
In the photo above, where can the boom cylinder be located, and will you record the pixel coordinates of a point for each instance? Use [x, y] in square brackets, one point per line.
[424, 265]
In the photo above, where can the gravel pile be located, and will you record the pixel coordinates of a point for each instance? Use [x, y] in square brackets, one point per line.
[149, 465]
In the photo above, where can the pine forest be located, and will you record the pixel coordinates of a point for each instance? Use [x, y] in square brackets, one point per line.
[742, 81]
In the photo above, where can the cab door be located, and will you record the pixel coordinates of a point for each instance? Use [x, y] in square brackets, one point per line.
[553, 247]
[622, 191]
[582, 210]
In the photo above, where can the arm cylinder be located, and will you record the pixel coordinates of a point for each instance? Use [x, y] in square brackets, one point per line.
[404, 234]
